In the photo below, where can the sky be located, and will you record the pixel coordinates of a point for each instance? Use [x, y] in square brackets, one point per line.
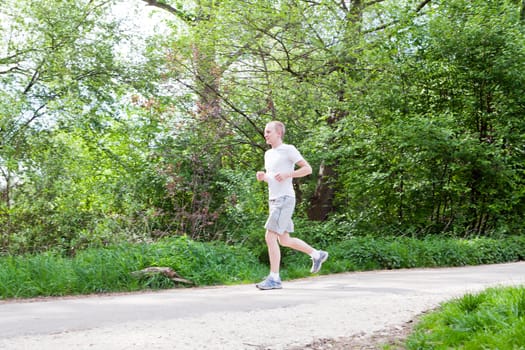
[134, 12]
[140, 21]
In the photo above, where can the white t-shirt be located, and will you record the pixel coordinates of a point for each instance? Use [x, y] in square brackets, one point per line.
[281, 160]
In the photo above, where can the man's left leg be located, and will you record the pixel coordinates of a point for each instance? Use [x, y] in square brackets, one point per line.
[295, 243]
[318, 256]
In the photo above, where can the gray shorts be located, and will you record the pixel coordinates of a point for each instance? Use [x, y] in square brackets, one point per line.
[280, 217]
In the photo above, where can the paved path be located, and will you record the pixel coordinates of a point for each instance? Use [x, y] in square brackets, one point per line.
[242, 317]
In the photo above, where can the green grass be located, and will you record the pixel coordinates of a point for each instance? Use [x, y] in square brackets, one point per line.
[367, 253]
[100, 270]
[492, 319]
[109, 269]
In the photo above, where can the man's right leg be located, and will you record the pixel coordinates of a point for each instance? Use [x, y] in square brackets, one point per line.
[274, 251]
[273, 281]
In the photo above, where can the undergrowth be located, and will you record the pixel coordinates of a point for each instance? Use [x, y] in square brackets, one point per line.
[110, 269]
[102, 270]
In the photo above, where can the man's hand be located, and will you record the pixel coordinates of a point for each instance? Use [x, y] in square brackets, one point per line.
[261, 175]
[281, 177]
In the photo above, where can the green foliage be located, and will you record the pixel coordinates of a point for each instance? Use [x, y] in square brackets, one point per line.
[109, 269]
[100, 270]
[56, 159]
[492, 319]
[437, 155]
[365, 253]
[78, 157]
[103, 197]
[415, 108]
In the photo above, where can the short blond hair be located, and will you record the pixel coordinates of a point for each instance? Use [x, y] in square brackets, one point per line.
[278, 126]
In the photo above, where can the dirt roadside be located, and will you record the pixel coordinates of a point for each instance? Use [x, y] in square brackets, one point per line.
[394, 337]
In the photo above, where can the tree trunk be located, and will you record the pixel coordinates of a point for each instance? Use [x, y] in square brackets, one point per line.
[321, 204]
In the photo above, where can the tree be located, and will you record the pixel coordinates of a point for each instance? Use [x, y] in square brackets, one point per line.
[60, 82]
[437, 150]
[298, 59]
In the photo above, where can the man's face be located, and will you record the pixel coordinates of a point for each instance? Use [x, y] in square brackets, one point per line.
[271, 135]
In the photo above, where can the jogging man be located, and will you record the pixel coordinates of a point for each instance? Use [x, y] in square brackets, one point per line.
[279, 163]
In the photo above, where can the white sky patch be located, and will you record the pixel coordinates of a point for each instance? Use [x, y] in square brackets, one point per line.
[140, 18]
[138, 21]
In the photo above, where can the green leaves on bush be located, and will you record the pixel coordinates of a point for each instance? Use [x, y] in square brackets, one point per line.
[110, 269]
[365, 253]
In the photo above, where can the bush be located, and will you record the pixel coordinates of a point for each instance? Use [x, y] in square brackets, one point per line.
[109, 269]
[98, 270]
[365, 253]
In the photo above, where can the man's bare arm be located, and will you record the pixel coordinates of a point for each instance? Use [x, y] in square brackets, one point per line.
[303, 170]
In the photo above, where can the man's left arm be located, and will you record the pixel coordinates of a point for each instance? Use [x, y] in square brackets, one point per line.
[303, 169]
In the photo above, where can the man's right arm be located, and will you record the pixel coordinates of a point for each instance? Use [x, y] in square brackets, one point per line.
[261, 176]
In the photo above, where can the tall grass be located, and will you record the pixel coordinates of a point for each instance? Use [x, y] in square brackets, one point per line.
[109, 269]
[492, 319]
[368, 253]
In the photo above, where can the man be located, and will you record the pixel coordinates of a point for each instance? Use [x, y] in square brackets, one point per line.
[279, 163]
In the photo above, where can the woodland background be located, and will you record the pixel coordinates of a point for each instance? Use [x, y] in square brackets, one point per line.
[410, 112]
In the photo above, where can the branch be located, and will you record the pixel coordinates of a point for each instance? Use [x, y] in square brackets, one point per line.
[8, 59]
[287, 67]
[383, 26]
[227, 102]
[166, 271]
[232, 106]
[12, 69]
[32, 82]
[182, 15]
[233, 57]
[269, 101]
[343, 5]
[421, 5]
[36, 114]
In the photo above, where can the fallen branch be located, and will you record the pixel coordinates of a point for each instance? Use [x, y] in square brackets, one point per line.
[157, 270]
